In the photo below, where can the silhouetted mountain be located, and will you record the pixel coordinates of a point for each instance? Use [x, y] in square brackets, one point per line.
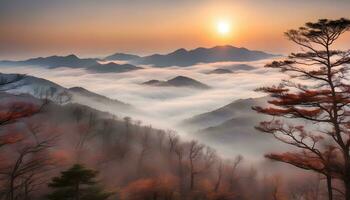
[179, 81]
[241, 67]
[232, 126]
[231, 69]
[237, 109]
[56, 61]
[183, 57]
[220, 71]
[121, 56]
[94, 96]
[37, 87]
[45, 89]
[180, 57]
[155, 83]
[112, 67]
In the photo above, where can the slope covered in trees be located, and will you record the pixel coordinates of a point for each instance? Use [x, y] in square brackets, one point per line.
[135, 161]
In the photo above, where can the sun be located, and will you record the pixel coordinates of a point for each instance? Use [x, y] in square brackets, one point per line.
[223, 27]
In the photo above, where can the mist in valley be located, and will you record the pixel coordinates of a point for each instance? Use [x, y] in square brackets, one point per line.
[174, 100]
[167, 107]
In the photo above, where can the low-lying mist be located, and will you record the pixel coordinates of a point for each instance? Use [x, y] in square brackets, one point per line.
[166, 107]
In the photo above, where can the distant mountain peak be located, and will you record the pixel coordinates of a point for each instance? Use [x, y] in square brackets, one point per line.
[181, 78]
[220, 71]
[122, 57]
[183, 57]
[178, 81]
[54, 61]
[181, 50]
[112, 67]
[71, 56]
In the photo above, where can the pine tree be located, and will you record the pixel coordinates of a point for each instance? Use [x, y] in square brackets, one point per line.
[318, 92]
[77, 183]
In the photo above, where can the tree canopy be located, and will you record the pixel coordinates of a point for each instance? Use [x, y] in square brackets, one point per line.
[317, 92]
[77, 183]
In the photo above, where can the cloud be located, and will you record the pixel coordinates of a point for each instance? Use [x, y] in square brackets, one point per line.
[164, 107]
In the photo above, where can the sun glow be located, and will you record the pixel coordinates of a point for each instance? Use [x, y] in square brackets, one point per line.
[223, 27]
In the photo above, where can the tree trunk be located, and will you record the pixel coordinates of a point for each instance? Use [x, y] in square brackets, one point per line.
[77, 191]
[181, 178]
[191, 174]
[12, 189]
[218, 182]
[347, 186]
[192, 181]
[329, 188]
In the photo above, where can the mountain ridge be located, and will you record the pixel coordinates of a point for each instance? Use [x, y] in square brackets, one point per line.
[46, 89]
[178, 81]
[121, 57]
[182, 57]
[55, 61]
[112, 67]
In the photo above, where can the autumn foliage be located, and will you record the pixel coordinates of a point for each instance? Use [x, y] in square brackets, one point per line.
[311, 110]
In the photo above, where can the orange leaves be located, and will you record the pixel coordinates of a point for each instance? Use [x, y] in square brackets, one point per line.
[61, 156]
[161, 187]
[307, 112]
[272, 90]
[15, 110]
[291, 112]
[302, 160]
[270, 126]
[279, 64]
[271, 111]
[302, 98]
[10, 138]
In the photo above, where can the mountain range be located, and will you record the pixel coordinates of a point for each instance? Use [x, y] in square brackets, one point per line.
[220, 71]
[183, 57]
[45, 89]
[232, 127]
[122, 57]
[72, 61]
[180, 57]
[237, 109]
[179, 81]
[112, 67]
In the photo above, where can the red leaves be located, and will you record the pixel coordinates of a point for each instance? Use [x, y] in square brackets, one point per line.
[279, 64]
[306, 97]
[292, 112]
[10, 138]
[15, 110]
[162, 187]
[302, 160]
[270, 127]
[272, 90]
[306, 112]
[272, 111]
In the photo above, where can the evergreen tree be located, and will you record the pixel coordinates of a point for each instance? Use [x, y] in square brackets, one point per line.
[77, 183]
[317, 93]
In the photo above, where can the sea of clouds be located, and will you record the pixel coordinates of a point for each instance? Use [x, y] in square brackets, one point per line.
[165, 107]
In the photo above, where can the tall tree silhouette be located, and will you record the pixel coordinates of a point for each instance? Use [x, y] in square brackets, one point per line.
[317, 92]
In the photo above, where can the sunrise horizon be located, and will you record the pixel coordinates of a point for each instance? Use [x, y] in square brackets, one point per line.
[100, 29]
[174, 100]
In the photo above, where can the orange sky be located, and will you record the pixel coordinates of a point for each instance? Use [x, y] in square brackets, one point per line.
[99, 27]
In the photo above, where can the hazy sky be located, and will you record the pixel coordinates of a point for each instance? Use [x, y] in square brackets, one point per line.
[99, 27]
